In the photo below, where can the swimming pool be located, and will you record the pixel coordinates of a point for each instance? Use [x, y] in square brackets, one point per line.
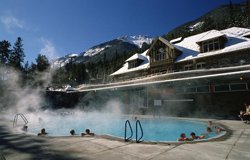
[155, 129]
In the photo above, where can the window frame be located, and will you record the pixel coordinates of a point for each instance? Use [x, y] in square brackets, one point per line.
[211, 45]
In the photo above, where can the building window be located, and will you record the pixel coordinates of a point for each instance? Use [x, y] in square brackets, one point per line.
[190, 90]
[211, 45]
[221, 88]
[200, 65]
[160, 55]
[203, 89]
[132, 64]
[188, 67]
[238, 86]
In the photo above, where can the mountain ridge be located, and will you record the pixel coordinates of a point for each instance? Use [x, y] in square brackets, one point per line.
[118, 46]
[219, 18]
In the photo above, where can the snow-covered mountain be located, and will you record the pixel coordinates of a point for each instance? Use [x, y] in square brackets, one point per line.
[134, 40]
[95, 50]
[62, 61]
[118, 46]
[195, 26]
[137, 40]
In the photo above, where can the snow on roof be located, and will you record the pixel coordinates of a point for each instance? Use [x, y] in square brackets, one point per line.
[210, 35]
[136, 56]
[237, 31]
[144, 65]
[166, 41]
[176, 40]
[191, 50]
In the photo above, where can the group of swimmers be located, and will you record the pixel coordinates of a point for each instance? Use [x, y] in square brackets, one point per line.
[192, 137]
[72, 132]
[86, 133]
[211, 127]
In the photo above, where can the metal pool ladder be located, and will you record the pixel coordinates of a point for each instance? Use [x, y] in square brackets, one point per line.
[138, 124]
[16, 118]
[126, 139]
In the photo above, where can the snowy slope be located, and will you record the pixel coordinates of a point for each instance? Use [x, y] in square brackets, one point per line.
[62, 61]
[120, 45]
[134, 40]
[195, 26]
[95, 50]
[137, 40]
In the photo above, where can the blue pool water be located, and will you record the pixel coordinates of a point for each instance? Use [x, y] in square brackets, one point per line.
[155, 129]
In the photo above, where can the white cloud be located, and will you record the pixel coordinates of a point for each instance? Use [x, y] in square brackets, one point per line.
[48, 49]
[11, 22]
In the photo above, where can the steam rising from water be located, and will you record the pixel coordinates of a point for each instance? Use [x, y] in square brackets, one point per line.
[28, 100]
[102, 105]
[17, 97]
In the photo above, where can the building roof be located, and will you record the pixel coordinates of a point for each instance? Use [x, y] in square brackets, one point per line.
[136, 56]
[210, 35]
[235, 41]
[142, 66]
[176, 40]
[191, 50]
[238, 31]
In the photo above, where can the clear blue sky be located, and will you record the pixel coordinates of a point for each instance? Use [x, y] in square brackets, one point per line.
[59, 27]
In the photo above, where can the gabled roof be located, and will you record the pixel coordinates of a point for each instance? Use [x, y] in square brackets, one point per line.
[163, 40]
[142, 66]
[136, 56]
[166, 42]
[191, 50]
[235, 41]
[210, 35]
[176, 40]
[237, 31]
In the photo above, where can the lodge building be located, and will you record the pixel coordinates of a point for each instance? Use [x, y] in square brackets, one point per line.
[208, 50]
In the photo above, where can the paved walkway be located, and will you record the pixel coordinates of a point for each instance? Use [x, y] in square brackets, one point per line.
[26, 147]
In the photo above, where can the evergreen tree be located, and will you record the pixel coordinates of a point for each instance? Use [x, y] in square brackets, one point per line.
[247, 13]
[208, 24]
[42, 63]
[4, 51]
[17, 55]
[232, 14]
[104, 65]
[59, 78]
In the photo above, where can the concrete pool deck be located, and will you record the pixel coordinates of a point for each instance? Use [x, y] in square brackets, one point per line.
[16, 146]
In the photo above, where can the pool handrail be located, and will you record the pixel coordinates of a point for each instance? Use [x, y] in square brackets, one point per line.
[138, 140]
[16, 118]
[126, 139]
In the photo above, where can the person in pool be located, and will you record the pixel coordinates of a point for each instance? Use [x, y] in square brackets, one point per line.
[219, 129]
[72, 132]
[43, 132]
[183, 137]
[88, 133]
[206, 134]
[25, 128]
[209, 130]
[193, 136]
